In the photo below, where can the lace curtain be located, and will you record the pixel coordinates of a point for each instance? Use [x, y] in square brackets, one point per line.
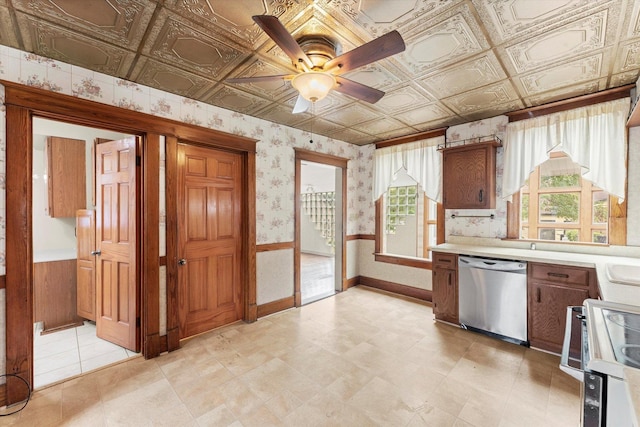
[421, 160]
[595, 137]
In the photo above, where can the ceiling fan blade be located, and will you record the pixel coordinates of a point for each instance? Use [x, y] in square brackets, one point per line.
[258, 79]
[377, 49]
[358, 90]
[301, 106]
[274, 29]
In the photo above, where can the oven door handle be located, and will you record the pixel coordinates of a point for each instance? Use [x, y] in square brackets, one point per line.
[578, 374]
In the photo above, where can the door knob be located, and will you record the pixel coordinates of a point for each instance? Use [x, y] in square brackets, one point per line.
[96, 252]
[182, 261]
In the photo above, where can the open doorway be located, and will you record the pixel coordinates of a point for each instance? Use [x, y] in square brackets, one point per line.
[318, 231]
[320, 216]
[65, 343]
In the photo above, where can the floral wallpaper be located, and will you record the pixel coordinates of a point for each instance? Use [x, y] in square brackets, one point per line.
[275, 166]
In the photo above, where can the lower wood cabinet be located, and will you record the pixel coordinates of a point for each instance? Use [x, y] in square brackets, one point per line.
[445, 287]
[54, 294]
[550, 290]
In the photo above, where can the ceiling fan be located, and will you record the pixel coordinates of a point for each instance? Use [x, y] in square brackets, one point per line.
[319, 68]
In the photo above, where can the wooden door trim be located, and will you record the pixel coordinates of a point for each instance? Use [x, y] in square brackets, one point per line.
[327, 159]
[24, 102]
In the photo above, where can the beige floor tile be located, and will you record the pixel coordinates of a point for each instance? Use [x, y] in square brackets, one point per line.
[360, 358]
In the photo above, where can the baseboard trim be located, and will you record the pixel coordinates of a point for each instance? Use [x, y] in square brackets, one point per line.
[396, 288]
[276, 306]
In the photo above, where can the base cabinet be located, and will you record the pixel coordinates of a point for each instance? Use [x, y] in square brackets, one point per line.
[445, 287]
[550, 290]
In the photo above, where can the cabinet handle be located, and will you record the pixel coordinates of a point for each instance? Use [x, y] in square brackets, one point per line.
[538, 300]
[560, 275]
[481, 195]
[449, 278]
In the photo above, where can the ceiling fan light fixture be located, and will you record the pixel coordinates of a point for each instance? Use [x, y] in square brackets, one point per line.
[313, 85]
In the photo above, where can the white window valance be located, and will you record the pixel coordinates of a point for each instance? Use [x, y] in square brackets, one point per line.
[421, 160]
[594, 136]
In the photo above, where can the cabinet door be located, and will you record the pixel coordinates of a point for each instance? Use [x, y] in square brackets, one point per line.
[86, 292]
[469, 177]
[445, 295]
[547, 313]
[66, 175]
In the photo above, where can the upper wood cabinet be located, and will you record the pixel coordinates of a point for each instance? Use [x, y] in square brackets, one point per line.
[469, 176]
[66, 176]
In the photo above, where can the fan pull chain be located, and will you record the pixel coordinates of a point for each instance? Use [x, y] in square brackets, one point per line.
[313, 117]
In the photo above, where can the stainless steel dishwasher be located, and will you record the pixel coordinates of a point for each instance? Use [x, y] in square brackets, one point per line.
[493, 297]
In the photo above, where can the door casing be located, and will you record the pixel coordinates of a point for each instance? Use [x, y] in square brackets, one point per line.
[22, 104]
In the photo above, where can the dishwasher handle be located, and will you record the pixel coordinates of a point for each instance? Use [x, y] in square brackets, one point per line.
[492, 264]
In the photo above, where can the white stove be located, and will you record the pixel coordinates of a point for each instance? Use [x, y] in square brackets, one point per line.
[610, 343]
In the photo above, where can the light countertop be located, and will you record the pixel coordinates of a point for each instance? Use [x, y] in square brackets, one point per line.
[609, 291]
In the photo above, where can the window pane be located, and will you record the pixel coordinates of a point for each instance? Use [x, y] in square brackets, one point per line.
[432, 235]
[524, 208]
[599, 236]
[559, 207]
[600, 207]
[433, 210]
[559, 234]
[559, 172]
[524, 233]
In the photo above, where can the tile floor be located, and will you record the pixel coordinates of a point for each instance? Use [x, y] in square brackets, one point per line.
[316, 277]
[361, 358]
[70, 352]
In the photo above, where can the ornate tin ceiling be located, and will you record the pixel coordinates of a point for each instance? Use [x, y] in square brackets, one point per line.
[465, 59]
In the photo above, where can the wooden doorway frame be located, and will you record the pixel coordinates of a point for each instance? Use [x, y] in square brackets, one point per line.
[327, 159]
[22, 104]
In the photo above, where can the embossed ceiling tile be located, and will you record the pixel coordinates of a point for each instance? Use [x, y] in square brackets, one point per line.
[628, 57]
[479, 71]
[494, 110]
[332, 102]
[186, 46]
[404, 131]
[52, 41]
[509, 19]
[437, 44]
[632, 20]
[351, 115]
[122, 22]
[235, 100]
[233, 18]
[7, 30]
[577, 38]
[374, 75]
[170, 79]
[351, 136]
[624, 78]
[566, 92]
[482, 98]
[568, 74]
[424, 113]
[379, 125]
[402, 98]
[275, 89]
[282, 114]
[320, 126]
[377, 18]
[435, 124]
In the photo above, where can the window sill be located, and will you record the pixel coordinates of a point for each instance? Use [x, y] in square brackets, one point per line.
[405, 261]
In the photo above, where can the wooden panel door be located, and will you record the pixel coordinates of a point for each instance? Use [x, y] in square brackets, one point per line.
[209, 240]
[86, 244]
[445, 295]
[117, 309]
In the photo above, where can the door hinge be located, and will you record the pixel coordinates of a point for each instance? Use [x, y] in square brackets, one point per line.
[137, 322]
[138, 160]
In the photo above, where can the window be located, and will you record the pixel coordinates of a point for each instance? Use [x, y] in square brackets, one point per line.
[556, 203]
[407, 225]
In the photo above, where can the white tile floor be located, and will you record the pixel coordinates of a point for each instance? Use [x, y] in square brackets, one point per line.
[316, 277]
[70, 352]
